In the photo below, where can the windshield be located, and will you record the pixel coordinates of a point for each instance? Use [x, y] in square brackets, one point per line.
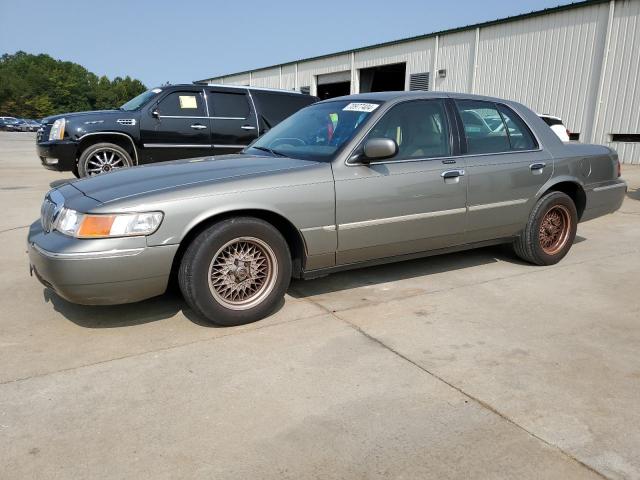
[136, 102]
[316, 132]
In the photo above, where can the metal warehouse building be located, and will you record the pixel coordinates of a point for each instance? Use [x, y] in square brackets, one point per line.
[580, 62]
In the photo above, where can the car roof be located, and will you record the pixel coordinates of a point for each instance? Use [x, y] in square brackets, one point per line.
[400, 95]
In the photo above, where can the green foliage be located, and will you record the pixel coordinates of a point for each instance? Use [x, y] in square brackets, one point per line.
[36, 86]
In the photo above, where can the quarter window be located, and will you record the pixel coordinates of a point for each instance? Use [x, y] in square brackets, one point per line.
[229, 105]
[182, 104]
[520, 137]
[419, 128]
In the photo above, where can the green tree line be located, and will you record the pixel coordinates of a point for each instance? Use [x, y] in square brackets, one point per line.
[36, 86]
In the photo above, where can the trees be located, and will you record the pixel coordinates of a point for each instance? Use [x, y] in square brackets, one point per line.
[35, 86]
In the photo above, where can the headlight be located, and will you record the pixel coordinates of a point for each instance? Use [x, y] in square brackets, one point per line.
[82, 225]
[57, 129]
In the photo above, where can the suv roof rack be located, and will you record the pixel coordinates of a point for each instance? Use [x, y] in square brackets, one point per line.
[279, 90]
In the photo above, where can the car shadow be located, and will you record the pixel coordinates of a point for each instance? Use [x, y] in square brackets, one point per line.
[403, 270]
[113, 316]
[128, 315]
[634, 194]
[171, 303]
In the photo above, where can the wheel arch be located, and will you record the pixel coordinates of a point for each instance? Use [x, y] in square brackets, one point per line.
[573, 189]
[121, 139]
[287, 229]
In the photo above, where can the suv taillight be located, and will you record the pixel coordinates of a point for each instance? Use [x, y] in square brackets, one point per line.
[619, 168]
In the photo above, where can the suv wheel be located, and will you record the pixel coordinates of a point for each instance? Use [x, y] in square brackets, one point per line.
[103, 158]
[550, 231]
[236, 271]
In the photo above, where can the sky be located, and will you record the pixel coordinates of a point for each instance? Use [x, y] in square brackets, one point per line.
[182, 41]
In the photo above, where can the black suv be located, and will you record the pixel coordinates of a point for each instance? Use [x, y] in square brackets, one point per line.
[167, 123]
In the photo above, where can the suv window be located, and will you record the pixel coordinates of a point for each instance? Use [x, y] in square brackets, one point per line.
[551, 121]
[520, 137]
[483, 127]
[182, 104]
[274, 107]
[419, 128]
[228, 105]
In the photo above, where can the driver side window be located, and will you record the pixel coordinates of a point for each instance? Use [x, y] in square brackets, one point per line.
[182, 104]
[419, 127]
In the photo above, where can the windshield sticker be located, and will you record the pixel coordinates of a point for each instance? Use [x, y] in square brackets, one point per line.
[361, 107]
[188, 101]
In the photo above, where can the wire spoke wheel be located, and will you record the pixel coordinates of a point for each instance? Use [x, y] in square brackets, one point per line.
[555, 229]
[243, 273]
[104, 160]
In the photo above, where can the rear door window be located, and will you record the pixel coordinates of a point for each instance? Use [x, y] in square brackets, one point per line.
[228, 105]
[483, 127]
[182, 104]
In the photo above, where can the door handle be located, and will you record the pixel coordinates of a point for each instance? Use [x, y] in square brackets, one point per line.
[452, 174]
[197, 126]
[248, 127]
[537, 166]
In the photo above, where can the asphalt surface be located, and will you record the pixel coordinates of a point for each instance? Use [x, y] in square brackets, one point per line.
[470, 365]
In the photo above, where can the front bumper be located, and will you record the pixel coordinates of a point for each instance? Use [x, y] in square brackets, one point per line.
[101, 271]
[604, 198]
[59, 155]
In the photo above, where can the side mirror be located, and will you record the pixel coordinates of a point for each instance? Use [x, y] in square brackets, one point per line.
[155, 113]
[379, 149]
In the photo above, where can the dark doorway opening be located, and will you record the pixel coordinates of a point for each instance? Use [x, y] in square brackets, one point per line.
[384, 78]
[330, 90]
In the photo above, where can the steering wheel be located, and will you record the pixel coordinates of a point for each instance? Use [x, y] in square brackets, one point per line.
[287, 142]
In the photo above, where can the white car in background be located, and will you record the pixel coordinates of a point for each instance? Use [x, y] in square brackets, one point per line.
[555, 123]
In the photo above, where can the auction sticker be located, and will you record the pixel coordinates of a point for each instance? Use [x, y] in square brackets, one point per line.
[361, 107]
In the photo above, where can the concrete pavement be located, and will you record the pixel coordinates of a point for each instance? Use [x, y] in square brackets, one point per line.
[470, 365]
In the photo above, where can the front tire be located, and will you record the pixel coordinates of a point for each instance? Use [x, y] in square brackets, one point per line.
[236, 271]
[550, 231]
[103, 158]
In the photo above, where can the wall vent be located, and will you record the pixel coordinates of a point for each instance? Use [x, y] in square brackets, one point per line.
[625, 137]
[305, 90]
[419, 81]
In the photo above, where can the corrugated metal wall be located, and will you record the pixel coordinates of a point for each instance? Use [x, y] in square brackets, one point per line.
[417, 55]
[455, 52]
[555, 63]
[620, 98]
[544, 62]
[267, 78]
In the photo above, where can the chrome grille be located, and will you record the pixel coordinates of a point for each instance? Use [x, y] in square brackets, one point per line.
[51, 207]
[43, 133]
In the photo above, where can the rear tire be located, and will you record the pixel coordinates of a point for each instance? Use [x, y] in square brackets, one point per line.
[550, 231]
[236, 271]
[103, 158]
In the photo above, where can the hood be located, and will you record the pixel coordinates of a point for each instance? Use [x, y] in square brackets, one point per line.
[73, 115]
[183, 175]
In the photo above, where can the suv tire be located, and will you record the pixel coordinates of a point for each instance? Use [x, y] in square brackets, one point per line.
[103, 158]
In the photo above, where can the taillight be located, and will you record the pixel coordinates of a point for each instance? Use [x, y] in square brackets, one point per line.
[619, 168]
[568, 132]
